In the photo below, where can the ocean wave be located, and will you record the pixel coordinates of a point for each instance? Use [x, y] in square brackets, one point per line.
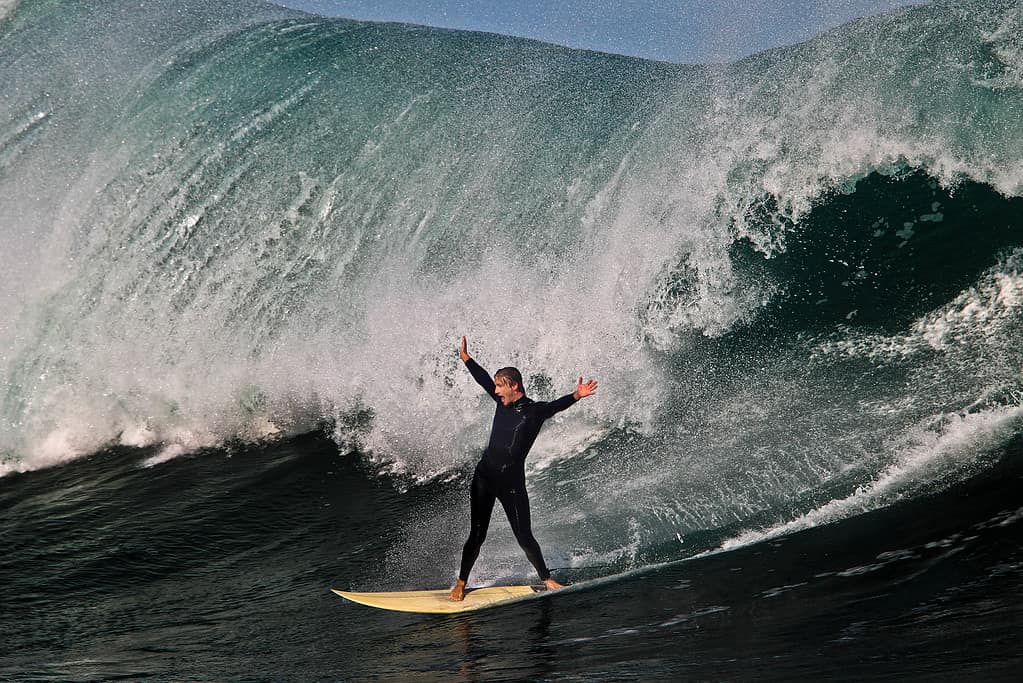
[936, 454]
[239, 225]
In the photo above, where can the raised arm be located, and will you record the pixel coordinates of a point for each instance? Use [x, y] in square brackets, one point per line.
[582, 390]
[481, 376]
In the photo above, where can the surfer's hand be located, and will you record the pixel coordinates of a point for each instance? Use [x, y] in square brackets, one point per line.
[463, 352]
[583, 390]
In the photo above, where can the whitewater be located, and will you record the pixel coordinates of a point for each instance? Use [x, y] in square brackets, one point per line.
[241, 244]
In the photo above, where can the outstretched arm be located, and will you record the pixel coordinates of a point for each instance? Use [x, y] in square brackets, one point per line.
[481, 376]
[582, 390]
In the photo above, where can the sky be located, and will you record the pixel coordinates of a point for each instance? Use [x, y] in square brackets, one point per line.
[683, 31]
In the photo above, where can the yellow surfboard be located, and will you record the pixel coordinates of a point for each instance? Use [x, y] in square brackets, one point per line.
[439, 601]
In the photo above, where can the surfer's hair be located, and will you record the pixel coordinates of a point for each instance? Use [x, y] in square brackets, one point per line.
[511, 376]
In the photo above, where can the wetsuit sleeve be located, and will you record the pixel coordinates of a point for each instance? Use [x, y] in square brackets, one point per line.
[482, 378]
[557, 405]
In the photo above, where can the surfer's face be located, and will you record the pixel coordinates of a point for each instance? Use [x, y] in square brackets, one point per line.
[508, 393]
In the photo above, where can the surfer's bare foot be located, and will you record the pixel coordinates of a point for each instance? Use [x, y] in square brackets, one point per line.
[552, 584]
[458, 592]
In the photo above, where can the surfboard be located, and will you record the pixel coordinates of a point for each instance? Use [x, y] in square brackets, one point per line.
[439, 601]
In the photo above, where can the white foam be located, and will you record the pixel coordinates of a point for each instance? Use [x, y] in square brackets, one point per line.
[54, 449]
[1007, 41]
[7, 8]
[166, 453]
[981, 316]
[563, 438]
[938, 452]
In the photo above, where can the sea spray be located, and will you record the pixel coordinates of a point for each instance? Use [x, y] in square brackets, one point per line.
[237, 223]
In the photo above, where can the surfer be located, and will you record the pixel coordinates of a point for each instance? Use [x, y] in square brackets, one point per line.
[500, 473]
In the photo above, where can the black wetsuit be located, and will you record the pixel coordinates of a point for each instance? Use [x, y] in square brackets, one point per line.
[501, 472]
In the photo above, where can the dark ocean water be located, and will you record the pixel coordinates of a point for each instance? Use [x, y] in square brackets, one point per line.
[240, 245]
[216, 567]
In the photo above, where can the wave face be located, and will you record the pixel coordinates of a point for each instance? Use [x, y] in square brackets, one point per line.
[799, 277]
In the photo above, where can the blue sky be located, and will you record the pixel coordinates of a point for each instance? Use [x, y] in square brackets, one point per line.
[690, 31]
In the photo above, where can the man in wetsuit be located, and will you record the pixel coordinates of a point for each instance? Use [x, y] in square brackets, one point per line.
[500, 473]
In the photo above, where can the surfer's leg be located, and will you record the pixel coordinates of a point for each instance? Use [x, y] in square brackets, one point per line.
[515, 500]
[481, 505]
